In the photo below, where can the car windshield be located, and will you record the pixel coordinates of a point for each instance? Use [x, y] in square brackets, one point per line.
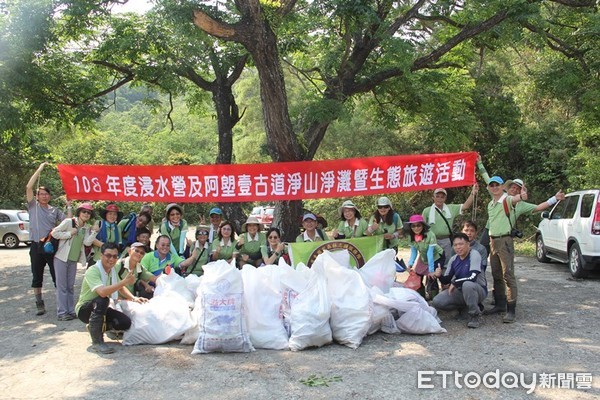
[269, 211]
[256, 211]
[23, 216]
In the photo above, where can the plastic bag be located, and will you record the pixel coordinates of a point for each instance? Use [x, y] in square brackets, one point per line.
[310, 313]
[413, 281]
[160, 320]
[174, 284]
[262, 295]
[380, 270]
[351, 305]
[381, 317]
[221, 311]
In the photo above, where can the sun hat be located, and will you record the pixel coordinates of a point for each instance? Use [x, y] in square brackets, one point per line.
[346, 204]
[252, 220]
[497, 180]
[137, 244]
[112, 207]
[202, 228]
[440, 190]
[172, 206]
[215, 210]
[518, 182]
[416, 219]
[384, 201]
[85, 206]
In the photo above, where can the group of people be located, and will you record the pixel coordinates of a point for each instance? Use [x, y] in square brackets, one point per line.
[122, 264]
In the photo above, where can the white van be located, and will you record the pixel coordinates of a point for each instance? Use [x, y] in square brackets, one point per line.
[570, 233]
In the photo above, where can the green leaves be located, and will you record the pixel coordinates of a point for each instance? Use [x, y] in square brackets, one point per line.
[315, 380]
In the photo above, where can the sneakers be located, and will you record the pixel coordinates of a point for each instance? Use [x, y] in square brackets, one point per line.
[102, 348]
[66, 317]
[41, 307]
[474, 321]
[114, 334]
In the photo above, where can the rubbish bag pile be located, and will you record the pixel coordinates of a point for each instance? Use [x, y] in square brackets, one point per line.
[279, 307]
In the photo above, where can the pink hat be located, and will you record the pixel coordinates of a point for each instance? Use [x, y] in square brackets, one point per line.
[85, 206]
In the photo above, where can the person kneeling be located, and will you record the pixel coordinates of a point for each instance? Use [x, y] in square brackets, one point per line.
[466, 278]
[100, 284]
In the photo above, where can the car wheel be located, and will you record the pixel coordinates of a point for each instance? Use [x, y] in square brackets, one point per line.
[576, 263]
[10, 241]
[540, 250]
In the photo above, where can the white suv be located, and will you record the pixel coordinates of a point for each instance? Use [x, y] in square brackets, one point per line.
[570, 233]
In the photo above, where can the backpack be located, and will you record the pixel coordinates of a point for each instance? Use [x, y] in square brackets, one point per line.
[51, 243]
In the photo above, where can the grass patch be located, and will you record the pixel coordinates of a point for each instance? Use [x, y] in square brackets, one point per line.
[524, 248]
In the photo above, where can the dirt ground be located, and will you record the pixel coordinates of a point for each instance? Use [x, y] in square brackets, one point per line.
[556, 333]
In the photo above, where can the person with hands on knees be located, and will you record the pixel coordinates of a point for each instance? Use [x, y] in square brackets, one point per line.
[385, 221]
[466, 279]
[426, 256]
[72, 234]
[250, 242]
[352, 225]
[274, 249]
[224, 246]
[99, 291]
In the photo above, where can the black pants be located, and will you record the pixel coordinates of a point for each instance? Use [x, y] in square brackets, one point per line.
[39, 259]
[99, 307]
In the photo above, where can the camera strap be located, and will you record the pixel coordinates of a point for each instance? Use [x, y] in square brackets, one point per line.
[505, 204]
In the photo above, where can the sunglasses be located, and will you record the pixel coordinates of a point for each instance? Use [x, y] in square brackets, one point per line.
[380, 207]
[202, 233]
[111, 256]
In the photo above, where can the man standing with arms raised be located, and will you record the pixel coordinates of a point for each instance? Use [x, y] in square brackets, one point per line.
[42, 219]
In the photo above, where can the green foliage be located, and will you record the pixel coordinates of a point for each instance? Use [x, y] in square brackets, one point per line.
[320, 380]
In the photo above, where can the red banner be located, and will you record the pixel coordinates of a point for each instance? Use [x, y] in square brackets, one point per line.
[268, 182]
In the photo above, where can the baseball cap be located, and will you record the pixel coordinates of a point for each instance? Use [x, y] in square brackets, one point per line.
[436, 191]
[215, 210]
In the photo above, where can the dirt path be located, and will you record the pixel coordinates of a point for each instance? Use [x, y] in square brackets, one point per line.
[556, 333]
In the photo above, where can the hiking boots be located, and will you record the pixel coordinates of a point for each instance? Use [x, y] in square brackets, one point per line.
[95, 327]
[499, 307]
[41, 307]
[510, 317]
[102, 348]
[474, 321]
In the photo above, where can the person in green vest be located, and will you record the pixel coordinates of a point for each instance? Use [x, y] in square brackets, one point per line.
[440, 217]
[274, 249]
[385, 221]
[162, 258]
[352, 225]
[224, 245]
[311, 232]
[201, 252]
[108, 230]
[72, 234]
[176, 228]
[249, 243]
[426, 255]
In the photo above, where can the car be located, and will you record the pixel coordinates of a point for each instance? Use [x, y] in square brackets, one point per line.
[570, 232]
[14, 228]
[264, 214]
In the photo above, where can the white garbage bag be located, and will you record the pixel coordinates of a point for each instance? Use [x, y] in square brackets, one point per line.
[380, 270]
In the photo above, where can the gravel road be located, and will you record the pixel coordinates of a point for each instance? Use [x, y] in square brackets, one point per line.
[556, 334]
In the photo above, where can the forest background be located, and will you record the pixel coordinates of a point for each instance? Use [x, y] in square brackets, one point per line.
[203, 82]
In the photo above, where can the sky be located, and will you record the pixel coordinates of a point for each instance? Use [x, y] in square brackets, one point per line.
[138, 6]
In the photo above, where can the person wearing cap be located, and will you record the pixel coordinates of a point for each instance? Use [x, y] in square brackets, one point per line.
[175, 227]
[101, 284]
[224, 245]
[43, 217]
[385, 221]
[108, 229]
[440, 216]
[250, 242]
[201, 252]
[133, 263]
[426, 255]
[515, 186]
[72, 234]
[501, 220]
[274, 249]
[352, 225]
[215, 216]
[311, 233]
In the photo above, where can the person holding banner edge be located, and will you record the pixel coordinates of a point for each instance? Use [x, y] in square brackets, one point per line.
[42, 219]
